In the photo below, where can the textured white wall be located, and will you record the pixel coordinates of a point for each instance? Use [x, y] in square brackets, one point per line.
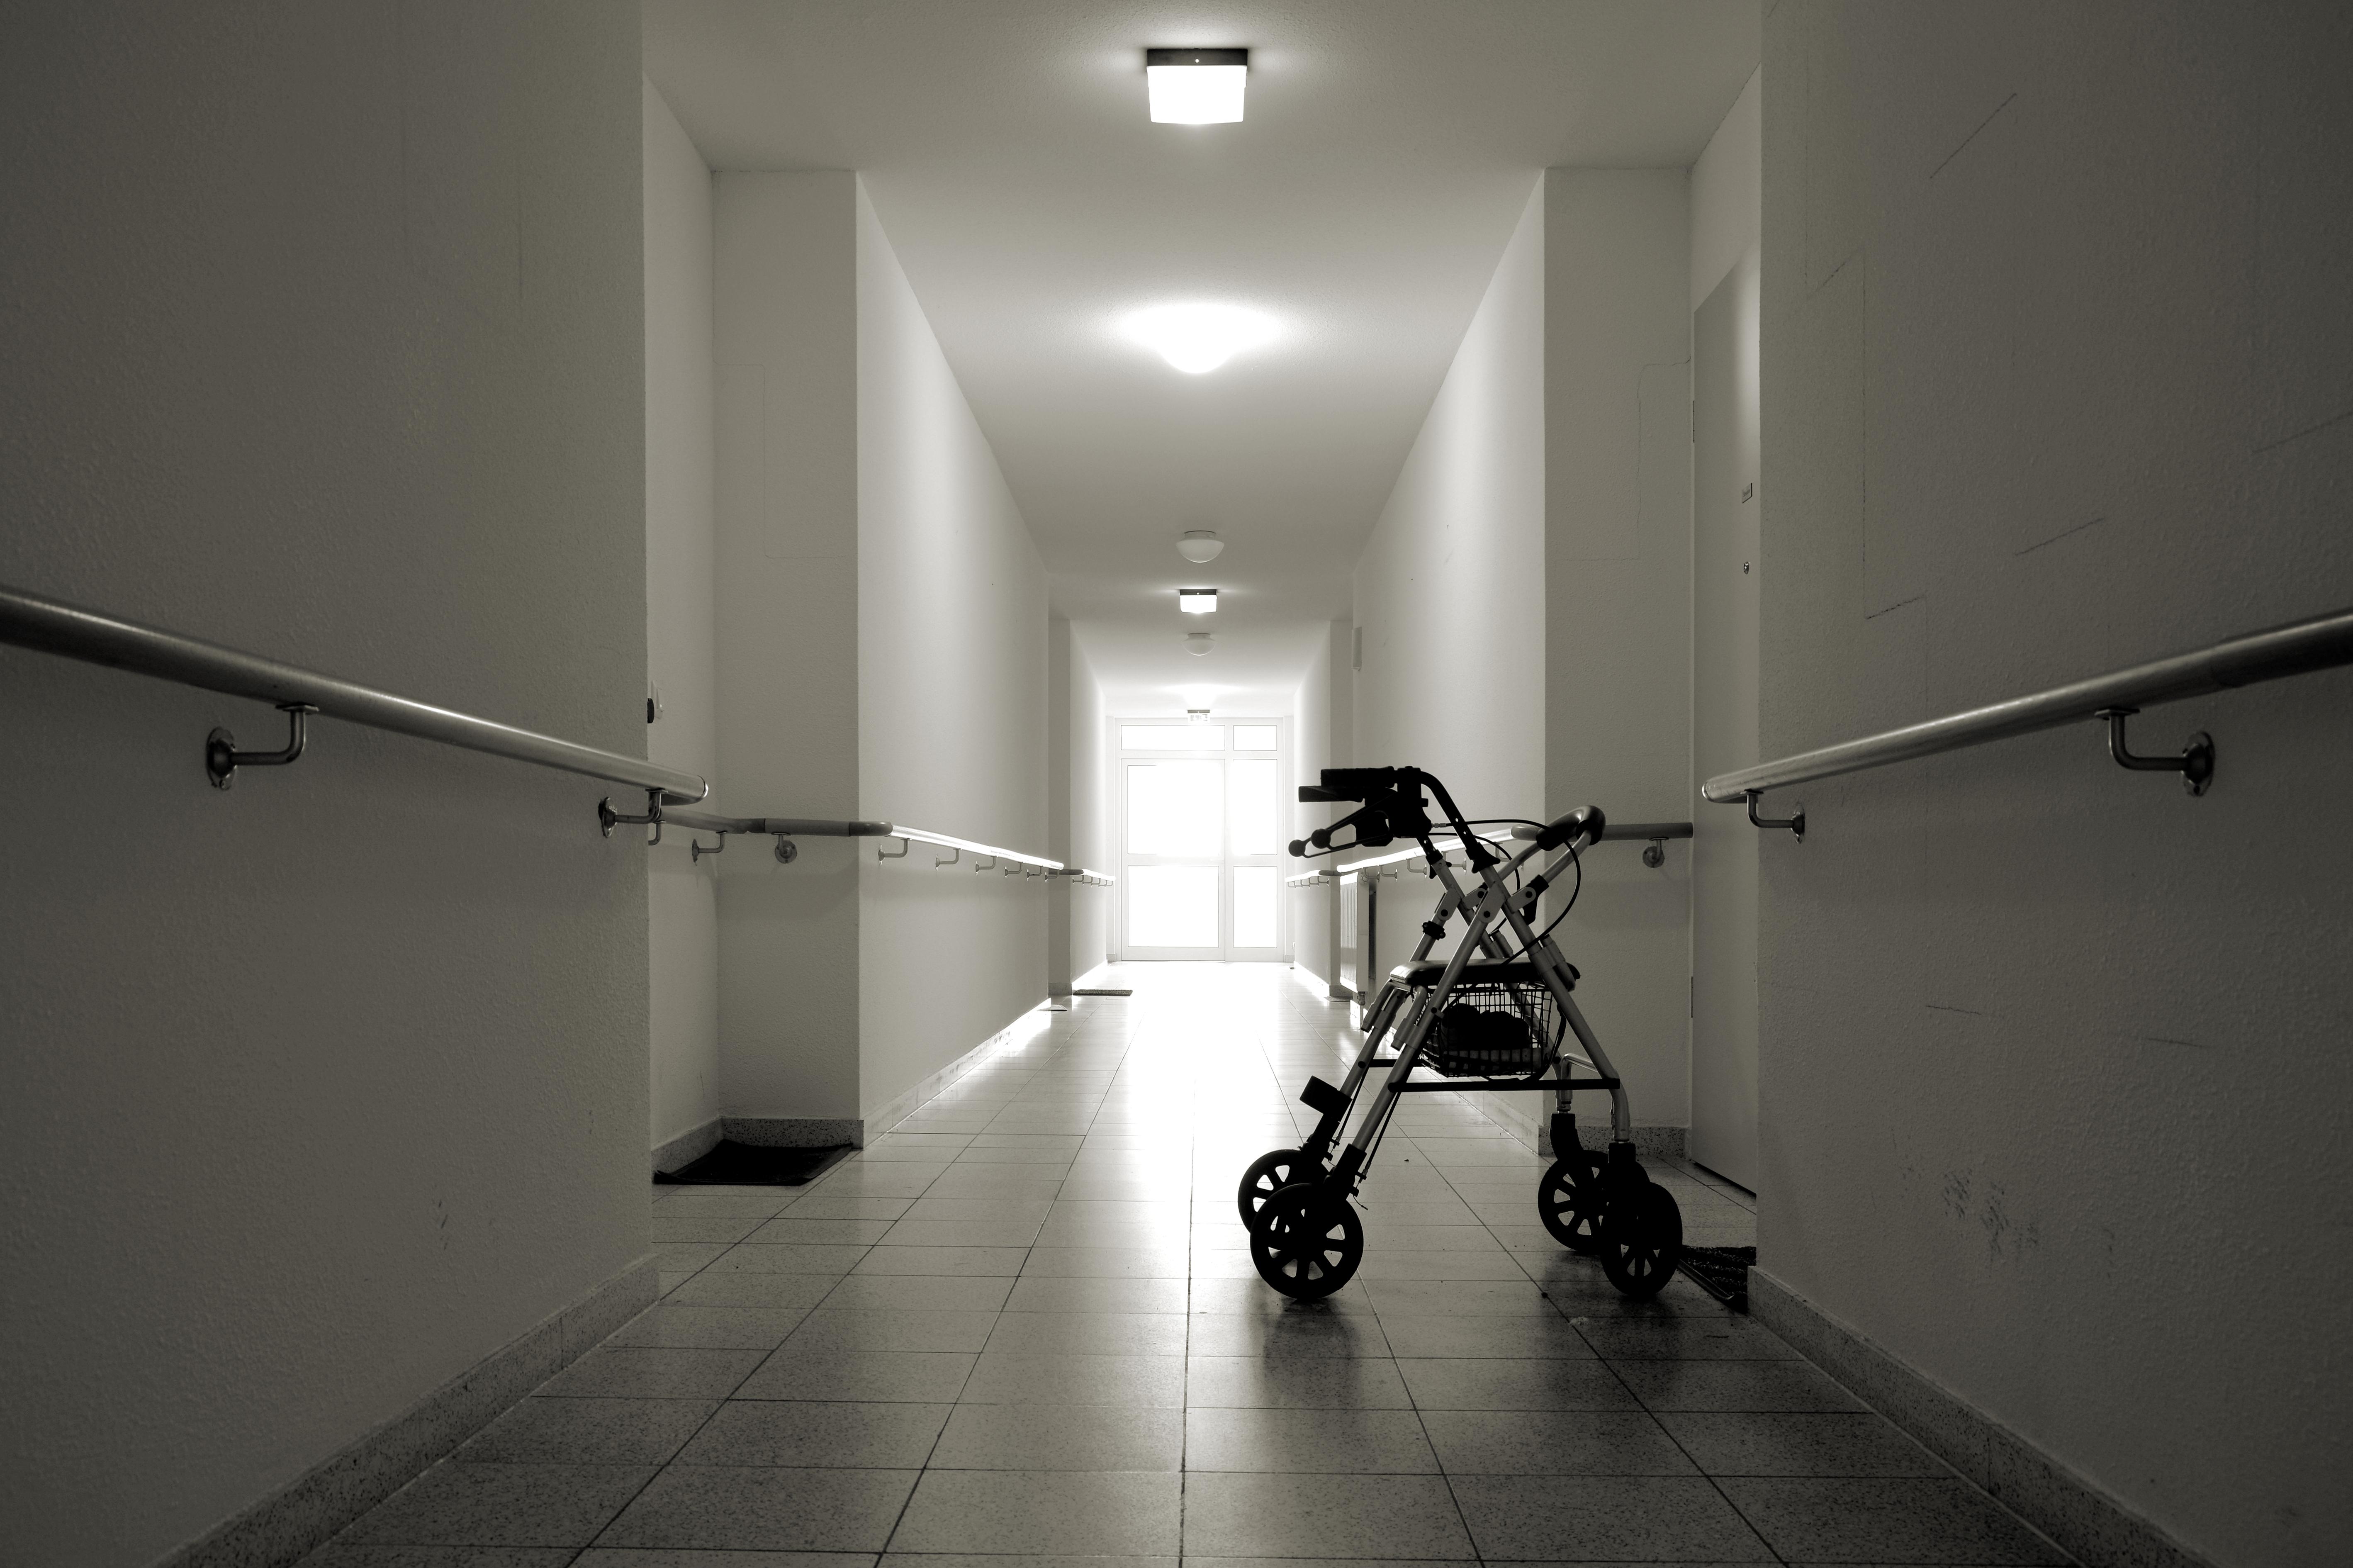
[2058, 363]
[1728, 192]
[1311, 908]
[681, 650]
[785, 306]
[1090, 835]
[1617, 578]
[951, 712]
[324, 339]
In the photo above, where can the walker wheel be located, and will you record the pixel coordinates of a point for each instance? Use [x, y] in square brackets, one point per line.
[1565, 1203]
[1307, 1243]
[1268, 1174]
[1642, 1239]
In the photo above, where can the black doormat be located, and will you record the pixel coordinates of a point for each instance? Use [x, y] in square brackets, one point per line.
[1102, 991]
[732, 1164]
[1722, 1272]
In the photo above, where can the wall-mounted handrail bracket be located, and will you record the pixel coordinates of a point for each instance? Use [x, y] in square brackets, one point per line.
[905, 846]
[607, 818]
[977, 868]
[222, 759]
[1794, 821]
[788, 852]
[2196, 763]
[1655, 853]
[696, 849]
[953, 855]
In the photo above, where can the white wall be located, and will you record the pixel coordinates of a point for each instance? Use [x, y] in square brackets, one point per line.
[1727, 193]
[1618, 577]
[682, 914]
[951, 701]
[785, 307]
[1086, 761]
[2058, 362]
[324, 339]
[1311, 910]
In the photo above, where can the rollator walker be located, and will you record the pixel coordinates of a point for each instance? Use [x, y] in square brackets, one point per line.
[1497, 1014]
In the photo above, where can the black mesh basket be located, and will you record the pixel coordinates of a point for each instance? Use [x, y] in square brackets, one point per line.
[1492, 1032]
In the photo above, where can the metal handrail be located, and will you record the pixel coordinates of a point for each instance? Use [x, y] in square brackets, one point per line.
[2322, 643]
[1656, 832]
[53, 625]
[784, 828]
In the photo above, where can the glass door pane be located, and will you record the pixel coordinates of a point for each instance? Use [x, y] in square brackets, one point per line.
[1172, 906]
[1257, 822]
[1175, 808]
[1254, 895]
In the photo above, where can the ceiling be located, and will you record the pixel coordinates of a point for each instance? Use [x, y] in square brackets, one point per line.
[1388, 148]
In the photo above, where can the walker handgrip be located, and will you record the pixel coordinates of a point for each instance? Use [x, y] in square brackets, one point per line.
[1586, 823]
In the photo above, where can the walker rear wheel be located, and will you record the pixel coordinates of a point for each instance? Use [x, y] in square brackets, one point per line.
[1268, 1174]
[1565, 1202]
[1642, 1239]
[1307, 1243]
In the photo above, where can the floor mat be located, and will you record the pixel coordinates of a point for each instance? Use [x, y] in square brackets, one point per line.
[1722, 1272]
[732, 1164]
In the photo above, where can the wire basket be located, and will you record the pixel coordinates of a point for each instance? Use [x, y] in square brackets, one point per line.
[1492, 1032]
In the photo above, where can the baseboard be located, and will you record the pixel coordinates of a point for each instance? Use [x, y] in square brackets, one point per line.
[900, 1106]
[796, 1131]
[688, 1147]
[299, 1517]
[2099, 1530]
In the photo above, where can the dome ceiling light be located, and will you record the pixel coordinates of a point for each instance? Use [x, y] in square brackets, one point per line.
[1197, 337]
[1200, 546]
[1198, 642]
[1196, 87]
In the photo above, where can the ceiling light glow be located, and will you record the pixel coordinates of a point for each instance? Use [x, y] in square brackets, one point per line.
[1197, 601]
[1196, 87]
[1197, 338]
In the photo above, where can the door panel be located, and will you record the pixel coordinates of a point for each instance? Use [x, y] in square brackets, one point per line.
[1204, 819]
[1727, 569]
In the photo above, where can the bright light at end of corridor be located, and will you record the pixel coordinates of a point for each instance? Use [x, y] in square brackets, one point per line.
[1198, 338]
[1196, 87]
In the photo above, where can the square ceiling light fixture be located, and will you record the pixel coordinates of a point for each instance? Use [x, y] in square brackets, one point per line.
[1196, 87]
[1197, 601]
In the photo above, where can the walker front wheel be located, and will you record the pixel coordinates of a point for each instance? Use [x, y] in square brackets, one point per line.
[1268, 1174]
[1642, 1239]
[1566, 1202]
[1307, 1243]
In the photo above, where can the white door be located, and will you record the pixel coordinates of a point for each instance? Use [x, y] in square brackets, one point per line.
[1726, 571]
[1200, 807]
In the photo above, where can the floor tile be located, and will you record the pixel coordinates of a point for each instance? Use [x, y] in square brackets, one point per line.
[877, 1328]
[1604, 1519]
[1308, 1442]
[786, 1257]
[850, 1206]
[1106, 1262]
[1287, 1334]
[943, 1261]
[1235, 1515]
[1758, 1443]
[1047, 1293]
[962, 1233]
[1683, 1339]
[780, 1290]
[1735, 1386]
[1003, 1379]
[1422, 1334]
[737, 1509]
[1494, 1383]
[502, 1505]
[920, 1376]
[1061, 1437]
[818, 1435]
[1553, 1441]
[1819, 1520]
[1057, 1512]
[920, 1293]
[588, 1431]
[823, 1232]
[610, 1372]
[675, 1326]
[1089, 1334]
[1240, 1382]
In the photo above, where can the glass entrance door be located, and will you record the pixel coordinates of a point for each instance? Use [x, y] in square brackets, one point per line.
[1200, 834]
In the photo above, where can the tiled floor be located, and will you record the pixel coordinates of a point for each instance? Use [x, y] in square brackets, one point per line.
[1023, 1326]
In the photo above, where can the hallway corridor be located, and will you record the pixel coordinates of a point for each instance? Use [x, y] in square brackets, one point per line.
[1023, 1326]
